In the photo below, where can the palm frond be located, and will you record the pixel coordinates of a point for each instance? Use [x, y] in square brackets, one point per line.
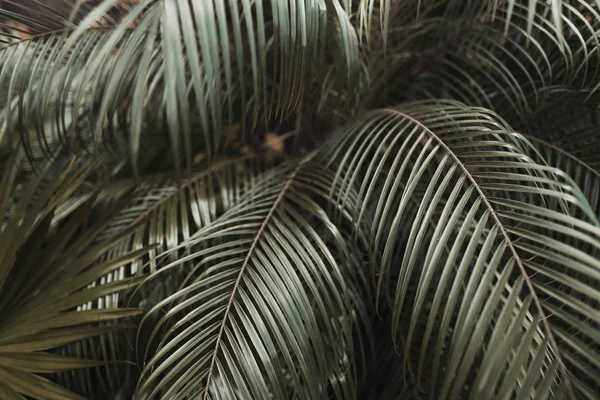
[489, 281]
[159, 215]
[554, 11]
[503, 64]
[176, 66]
[167, 212]
[269, 307]
[564, 129]
[44, 274]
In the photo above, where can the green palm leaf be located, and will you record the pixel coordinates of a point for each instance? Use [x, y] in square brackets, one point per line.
[166, 212]
[587, 178]
[268, 308]
[553, 11]
[489, 315]
[504, 64]
[44, 274]
[159, 215]
[568, 119]
[564, 129]
[174, 66]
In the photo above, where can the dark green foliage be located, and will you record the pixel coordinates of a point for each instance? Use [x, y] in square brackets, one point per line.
[236, 199]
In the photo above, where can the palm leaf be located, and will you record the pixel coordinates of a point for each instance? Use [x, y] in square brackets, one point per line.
[43, 279]
[564, 129]
[167, 212]
[269, 307]
[174, 66]
[503, 64]
[161, 213]
[586, 177]
[509, 310]
[553, 11]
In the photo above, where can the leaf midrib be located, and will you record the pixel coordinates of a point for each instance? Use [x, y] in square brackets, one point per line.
[236, 285]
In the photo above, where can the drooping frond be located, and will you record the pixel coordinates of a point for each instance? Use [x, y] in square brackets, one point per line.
[44, 274]
[490, 277]
[564, 128]
[503, 64]
[554, 12]
[167, 212]
[160, 215]
[176, 66]
[586, 177]
[269, 307]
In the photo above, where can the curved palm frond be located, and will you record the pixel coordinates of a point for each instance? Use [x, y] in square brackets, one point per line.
[182, 66]
[504, 64]
[160, 215]
[166, 212]
[564, 129]
[44, 274]
[269, 307]
[498, 304]
[554, 11]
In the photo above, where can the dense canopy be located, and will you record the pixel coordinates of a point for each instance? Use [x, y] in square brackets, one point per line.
[299, 199]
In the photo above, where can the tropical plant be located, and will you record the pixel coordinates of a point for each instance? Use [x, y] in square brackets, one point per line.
[280, 199]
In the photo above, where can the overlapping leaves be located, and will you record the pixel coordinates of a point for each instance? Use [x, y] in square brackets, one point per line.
[44, 274]
[176, 66]
[483, 252]
[491, 276]
[158, 216]
[504, 63]
[269, 306]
